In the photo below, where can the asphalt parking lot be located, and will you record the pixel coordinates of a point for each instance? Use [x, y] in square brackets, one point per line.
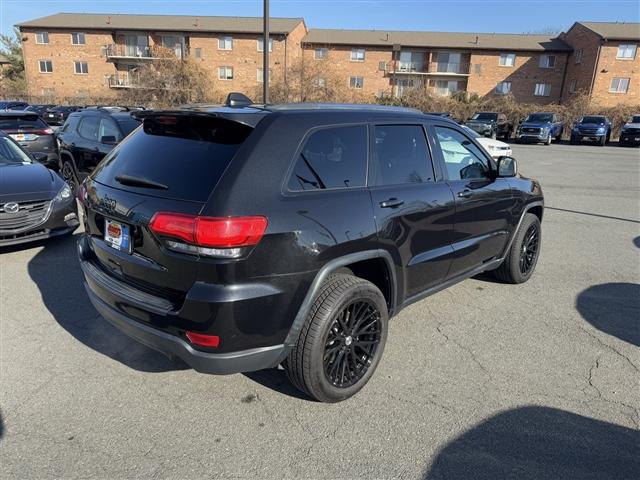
[482, 380]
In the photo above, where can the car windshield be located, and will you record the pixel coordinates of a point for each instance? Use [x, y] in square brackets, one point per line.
[471, 133]
[485, 117]
[31, 122]
[62, 109]
[635, 119]
[592, 119]
[128, 125]
[12, 154]
[539, 117]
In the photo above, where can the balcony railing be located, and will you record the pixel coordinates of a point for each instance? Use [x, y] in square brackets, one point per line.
[120, 81]
[398, 66]
[455, 68]
[116, 51]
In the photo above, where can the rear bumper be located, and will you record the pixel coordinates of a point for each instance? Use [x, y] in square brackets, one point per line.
[250, 319]
[173, 346]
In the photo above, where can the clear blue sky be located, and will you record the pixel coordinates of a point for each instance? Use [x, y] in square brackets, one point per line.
[502, 16]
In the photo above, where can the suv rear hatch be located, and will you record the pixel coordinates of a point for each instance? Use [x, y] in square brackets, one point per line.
[171, 164]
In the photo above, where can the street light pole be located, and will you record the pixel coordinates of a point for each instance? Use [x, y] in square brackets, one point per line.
[265, 53]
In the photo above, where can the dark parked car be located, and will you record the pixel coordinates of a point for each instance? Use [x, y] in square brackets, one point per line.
[630, 133]
[87, 136]
[13, 105]
[540, 128]
[593, 128]
[40, 109]
[491, 124]
[28, 129]
[242, 238]
[58, 115]
[35, 203]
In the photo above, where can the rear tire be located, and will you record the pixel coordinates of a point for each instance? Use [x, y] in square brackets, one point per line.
[342, 340]
[522, 257]
[68, 173]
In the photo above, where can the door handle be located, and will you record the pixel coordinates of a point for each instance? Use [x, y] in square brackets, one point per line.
[466, 193]
[392, 203]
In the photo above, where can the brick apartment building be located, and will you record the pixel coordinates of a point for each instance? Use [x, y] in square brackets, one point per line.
[604, 62]
[70, 55]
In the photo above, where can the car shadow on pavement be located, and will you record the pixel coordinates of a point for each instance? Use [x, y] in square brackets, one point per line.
[636, 242]
[613, 308]
[277, 380]
[56, 272]
[539, 442]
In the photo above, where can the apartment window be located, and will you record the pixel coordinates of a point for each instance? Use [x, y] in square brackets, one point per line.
[357, 55]
[502, 88]
[198, 52]
[356, 82]
[45, 66]
[42, 37]
[320, 53]
[225, 43]
[446, 87]
[542, 90]
[573, 85]
[81, 68]
[579, 53]
[225, 73]
[77, 38]
[321, 82]
[547, 61]
[177, 44]
[382, 66]
[261, 44]
[260, 74]
[477, 68]
[619, 85]
[507, 59]
[626, 51]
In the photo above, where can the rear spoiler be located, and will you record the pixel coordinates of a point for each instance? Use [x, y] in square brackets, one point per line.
[249, 117]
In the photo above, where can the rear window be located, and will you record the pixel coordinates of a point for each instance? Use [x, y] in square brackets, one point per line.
[128, 125]
[485, 116]
[22, 123]
[187, 154]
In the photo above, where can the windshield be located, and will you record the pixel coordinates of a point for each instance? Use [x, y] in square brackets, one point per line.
[635, 119]
[539, 118]
[592, 119]
[471, 133]
[11, 154]
[485, 117]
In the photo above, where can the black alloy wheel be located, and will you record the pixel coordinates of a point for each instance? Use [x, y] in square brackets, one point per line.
[352, 343]
[529, 251]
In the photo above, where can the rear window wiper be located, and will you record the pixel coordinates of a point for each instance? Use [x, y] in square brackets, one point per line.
[134, 181]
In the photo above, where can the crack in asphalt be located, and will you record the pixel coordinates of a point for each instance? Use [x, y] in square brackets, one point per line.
[609, 347]
[462, 347]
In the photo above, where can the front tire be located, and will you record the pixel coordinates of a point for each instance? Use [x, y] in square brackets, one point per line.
[522, 257]
[342, 340]
[68, 173]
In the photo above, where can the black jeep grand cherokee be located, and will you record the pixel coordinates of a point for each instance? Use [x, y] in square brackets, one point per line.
[238, 239]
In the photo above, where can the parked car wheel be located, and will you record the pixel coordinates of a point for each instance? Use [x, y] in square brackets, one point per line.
[603, 141]
[521, 260]
[548, 140]
[342, 340]
[69, 175]
[494, 134]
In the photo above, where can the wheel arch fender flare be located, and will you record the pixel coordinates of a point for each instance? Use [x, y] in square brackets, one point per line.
[527, 208]
[324, 272]
[67, 153]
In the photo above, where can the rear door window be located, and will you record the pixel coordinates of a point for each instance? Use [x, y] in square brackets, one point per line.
[108, 128]
[185, 153]
[400, 156]
[89, 128]
[331, 158]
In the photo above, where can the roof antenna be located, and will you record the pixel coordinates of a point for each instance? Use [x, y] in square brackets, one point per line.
[477, 38]
[109, 20]
[196, 24]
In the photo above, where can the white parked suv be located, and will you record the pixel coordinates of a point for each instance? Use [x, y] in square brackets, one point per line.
[496, 148]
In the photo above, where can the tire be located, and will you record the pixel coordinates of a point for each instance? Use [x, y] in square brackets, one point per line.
[322, 336]
[494, 135]
[603, 141]
[548, 140]
[510, 270]
[68, 173]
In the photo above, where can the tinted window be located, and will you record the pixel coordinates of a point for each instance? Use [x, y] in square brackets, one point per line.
[332, 158]
[70, 124]
[539, 117]
[22, 123]
[592, 119]
[462, 158]
[635, 119]
[187, 154]
[484, 117]
[89, 128]
[401, 155]
[128, 125]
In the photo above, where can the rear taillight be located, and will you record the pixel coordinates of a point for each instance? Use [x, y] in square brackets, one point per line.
[211, 236]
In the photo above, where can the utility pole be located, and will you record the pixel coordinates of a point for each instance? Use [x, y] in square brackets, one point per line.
[265, 53]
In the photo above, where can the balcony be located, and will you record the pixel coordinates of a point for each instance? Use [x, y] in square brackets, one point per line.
[116, 51]
[402, 67]
[120, 81]
[442, 68]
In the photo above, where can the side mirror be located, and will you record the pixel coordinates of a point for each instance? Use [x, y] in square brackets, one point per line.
[507, 167]
[40, 157]
[108, 139]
